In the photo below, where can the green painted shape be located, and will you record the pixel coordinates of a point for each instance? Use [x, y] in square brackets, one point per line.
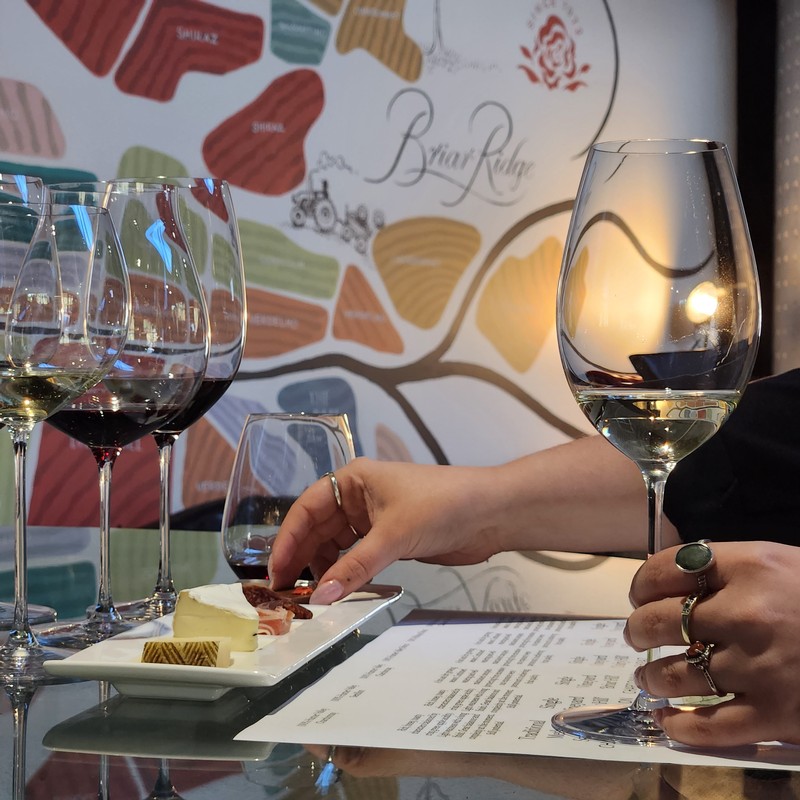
[134, 560]
[274, 261]
[143, 162]
[47, 174]
[68, 588]
[297, 35]
[223, 262]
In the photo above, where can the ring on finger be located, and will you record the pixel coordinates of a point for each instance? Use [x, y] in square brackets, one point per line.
[698, 655]
[696, 558]
[686, 613]
[337, 494]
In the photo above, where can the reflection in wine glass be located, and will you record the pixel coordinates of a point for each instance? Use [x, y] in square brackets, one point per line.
[153, 376]
[64, 293]
[658, 320]
[212, 235]
[277, 458]
[15, 190]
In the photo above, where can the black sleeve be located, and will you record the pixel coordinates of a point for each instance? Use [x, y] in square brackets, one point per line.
[744, 483]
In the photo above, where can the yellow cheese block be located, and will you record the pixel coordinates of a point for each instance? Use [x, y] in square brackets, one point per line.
[218, 610]
[190, 652]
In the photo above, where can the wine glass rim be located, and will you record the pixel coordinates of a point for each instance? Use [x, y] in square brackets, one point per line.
[659, 146]
[103, 186]
[180, 181]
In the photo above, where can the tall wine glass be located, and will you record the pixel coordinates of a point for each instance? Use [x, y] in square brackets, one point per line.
[22, 189]
[64, 294]
[658, 322]
[153, 377]
[212, 236]
[277, 458]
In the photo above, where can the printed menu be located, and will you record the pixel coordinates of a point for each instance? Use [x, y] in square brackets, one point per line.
[488, 687]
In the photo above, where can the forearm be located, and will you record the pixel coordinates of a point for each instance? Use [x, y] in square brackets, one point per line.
[584, 496]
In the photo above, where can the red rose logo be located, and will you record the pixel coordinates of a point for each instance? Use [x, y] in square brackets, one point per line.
[552, 58]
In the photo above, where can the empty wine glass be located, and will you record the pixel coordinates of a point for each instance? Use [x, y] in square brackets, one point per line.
[212, 236]
[153, 376]
[64, 295]
[23, 189]
[658, 320]
[277, 458]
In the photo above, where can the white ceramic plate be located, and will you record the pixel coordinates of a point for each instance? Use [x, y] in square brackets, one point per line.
[117, 660]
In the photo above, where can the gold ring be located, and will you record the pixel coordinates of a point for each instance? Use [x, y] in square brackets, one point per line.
[337, 495]
[686, 612]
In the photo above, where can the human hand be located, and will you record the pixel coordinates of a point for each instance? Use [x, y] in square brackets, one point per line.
[751, 618]
[389, 511]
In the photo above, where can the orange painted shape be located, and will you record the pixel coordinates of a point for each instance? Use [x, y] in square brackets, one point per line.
[360, 316]
[207, 465]
[278, 324]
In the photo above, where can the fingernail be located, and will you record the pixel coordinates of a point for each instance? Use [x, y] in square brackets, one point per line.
[326, 593]
[269, 571]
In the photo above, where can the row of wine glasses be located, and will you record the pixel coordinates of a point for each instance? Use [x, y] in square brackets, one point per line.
[160, 254]
[64, 312]
[22, 189]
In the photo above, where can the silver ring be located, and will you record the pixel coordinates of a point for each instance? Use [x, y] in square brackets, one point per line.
[337, 495]
[696, 558]
[698, 654]
[686, 612]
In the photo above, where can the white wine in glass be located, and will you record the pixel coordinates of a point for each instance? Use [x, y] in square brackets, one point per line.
[658, 322]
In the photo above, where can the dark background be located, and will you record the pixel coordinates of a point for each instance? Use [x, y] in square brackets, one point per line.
[755, 147]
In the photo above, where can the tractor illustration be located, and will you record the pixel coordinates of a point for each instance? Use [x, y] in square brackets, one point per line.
[314, 207]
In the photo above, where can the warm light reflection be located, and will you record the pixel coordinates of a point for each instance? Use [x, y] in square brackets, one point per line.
[702, 302]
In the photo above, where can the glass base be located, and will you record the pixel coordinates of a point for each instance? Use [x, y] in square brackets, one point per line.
[148, 608]
[22, 661]
[80, 635]
[37, 615]
[620, 724]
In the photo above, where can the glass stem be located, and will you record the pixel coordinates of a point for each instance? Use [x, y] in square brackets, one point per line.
[655, 480]
[164, 592]
[104, 610]
[21, 632]
[20, 698]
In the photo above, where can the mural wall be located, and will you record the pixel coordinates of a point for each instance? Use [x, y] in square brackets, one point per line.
[403, 172]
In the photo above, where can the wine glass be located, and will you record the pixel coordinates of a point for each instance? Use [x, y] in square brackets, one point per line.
[658, 321]
[153, 377]
[277, 458]
[22, 189]
[212, 236]
[64, 293]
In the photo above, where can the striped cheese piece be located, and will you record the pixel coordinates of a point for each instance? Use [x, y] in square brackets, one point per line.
[188, 652]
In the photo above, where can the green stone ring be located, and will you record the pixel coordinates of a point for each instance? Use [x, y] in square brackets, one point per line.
[695, 558]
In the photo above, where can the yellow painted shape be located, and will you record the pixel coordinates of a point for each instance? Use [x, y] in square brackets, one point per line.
[516, 311]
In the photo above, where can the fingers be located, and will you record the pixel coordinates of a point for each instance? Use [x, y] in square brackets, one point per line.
[727, 724]
[673, 676]
[659, 577]
[354, 568]
[659, 622]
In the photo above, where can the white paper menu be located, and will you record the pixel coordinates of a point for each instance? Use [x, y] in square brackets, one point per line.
[486, 688]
